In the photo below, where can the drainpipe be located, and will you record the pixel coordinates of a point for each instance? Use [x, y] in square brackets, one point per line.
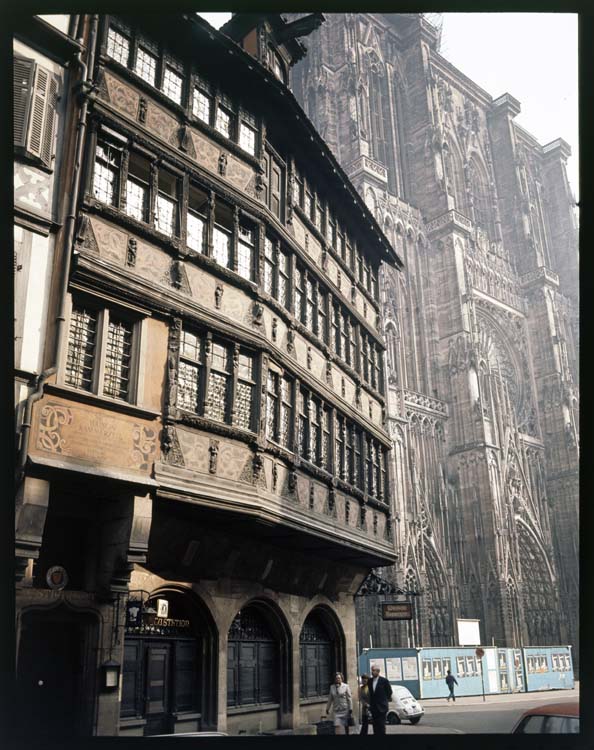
[84, 86]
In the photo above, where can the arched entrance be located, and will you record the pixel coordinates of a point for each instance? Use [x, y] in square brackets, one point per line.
[258, 666]
[170, 665]
[321, 652]
[56, 672]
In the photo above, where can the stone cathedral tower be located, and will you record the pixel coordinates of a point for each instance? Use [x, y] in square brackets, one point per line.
[481, 330]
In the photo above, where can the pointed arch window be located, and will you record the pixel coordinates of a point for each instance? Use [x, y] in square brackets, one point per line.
[479, 189]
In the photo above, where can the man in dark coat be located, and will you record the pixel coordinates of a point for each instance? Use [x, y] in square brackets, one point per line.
[380, 693]
[451, 681]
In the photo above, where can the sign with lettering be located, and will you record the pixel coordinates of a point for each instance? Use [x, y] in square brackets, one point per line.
[169, 622]
[397, 611]
[68, 429]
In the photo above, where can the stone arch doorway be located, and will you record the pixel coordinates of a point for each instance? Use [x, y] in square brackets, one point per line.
[321, 653]
[170, 664]
[259, 675]
[57, 672]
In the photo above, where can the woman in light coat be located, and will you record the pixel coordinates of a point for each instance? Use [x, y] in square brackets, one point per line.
[340, 701]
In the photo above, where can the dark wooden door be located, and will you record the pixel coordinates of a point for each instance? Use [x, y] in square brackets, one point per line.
[50, 691]
[158, 693]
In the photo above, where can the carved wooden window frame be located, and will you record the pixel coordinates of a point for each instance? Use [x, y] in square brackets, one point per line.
[163, 58]
[234, 351]
[105, 312]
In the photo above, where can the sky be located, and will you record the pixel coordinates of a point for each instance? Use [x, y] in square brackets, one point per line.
[532, 56]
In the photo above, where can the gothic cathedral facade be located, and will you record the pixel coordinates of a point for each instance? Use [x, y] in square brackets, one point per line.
[481, 329]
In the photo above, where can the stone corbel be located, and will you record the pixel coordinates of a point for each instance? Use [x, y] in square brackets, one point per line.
[31, 511]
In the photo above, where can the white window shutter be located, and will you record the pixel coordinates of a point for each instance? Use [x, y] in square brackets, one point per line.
[47, 142]
[38, 113]
[23, 73]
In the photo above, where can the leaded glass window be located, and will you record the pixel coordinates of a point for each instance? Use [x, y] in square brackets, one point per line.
[269, 266]
[106, 175]
[348, 254]
[81, 348]
[146, 65]
[272, 398]
[223, 122]
[349, 469]
[336, 320]
[381, 474]
[356, 476]
[217, 395]
[325, 457]
[173, 84]
[137, 187]
[247, 138]
[100, 363]
[165, 214]
[300, 294]
[190, 363]
[136, 199]
[307, 203]
[196, 225]
[166, 204]
[372, 365]
[245, 253]
[310, 306]
[276, 272]
[318, 216]
[322, 316]
[303, 435]
[118, 46]
[352, 357]
[365, 356]
[201, 106]
[339, 447]
[196, 219]
[222, 247]
[370, 461]
[118, 356]
[283, 278]
[279, 408]
[244, 393]
[286, 409]
[315, 431]
[344, 324]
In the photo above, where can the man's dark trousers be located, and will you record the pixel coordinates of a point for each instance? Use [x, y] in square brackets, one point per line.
[379, 721]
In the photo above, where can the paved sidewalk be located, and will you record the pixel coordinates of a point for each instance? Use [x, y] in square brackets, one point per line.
[552, 696]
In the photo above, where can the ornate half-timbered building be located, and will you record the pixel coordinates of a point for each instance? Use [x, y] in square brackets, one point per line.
[481, 330]
[203, 457]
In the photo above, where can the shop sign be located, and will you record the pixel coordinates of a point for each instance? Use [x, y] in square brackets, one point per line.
[169, 622]
[397, 611]
[133, 613]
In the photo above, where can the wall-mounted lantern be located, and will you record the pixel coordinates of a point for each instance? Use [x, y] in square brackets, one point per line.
[110, 675]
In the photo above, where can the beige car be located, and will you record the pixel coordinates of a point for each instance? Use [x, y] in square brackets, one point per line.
[404, 706]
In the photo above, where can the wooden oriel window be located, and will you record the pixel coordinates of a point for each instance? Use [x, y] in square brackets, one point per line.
[216, 379]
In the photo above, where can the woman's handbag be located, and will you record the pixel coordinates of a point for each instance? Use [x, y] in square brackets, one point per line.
[351, 720]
